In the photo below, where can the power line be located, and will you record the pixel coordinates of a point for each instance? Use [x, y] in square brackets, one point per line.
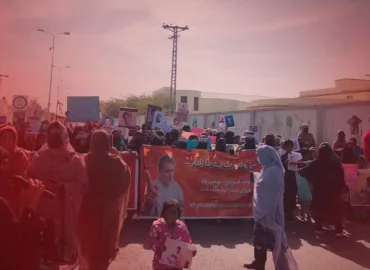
[175, 35]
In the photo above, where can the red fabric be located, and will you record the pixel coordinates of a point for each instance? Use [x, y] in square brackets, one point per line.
[367, 145]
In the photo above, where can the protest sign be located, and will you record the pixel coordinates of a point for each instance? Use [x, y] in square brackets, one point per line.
[33, 125]
[19, 116]
[178, 254]
[133, 164]
[107, 122]
[3, 119]
[229, 120]
[161, 122]
[207, 184]
[197, 131]
[221, 123]
[256, 132]
[360, 193]
[351, 175]
[182, 112]
[44, 126]
[127, 117]
[83, 109]
[150, 114]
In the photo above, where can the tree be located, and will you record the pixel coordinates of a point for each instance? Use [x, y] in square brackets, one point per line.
[141, 102]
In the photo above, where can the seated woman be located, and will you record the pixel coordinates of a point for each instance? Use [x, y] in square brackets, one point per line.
[59, 166]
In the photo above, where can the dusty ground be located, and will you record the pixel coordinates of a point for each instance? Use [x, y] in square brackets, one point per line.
[226, 246]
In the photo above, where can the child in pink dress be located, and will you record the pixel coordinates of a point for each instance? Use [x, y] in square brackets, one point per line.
[170, 226]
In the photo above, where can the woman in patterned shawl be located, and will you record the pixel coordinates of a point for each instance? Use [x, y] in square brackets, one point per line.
[63, 171]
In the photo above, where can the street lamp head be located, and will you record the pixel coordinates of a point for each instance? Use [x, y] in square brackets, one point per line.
[40, 30]
[68, 66]
[67, 33]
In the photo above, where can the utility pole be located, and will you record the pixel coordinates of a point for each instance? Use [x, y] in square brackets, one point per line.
[175, 35]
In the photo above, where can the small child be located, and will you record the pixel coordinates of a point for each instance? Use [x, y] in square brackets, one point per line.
[170, 226]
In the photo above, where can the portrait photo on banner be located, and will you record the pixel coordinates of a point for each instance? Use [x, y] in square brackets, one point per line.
[162, 187]
[207, 185]
[127, 117]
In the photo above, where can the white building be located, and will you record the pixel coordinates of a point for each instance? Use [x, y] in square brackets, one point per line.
[205, 102]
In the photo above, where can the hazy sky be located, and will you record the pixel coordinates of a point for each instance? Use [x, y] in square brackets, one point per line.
[118, 47]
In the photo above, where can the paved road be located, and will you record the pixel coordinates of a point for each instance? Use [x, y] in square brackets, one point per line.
[226, 246]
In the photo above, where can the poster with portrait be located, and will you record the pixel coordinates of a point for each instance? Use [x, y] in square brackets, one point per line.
[221, 123]
[44, 126]
[161, 122]
[150, 114]
[229, 120]
[3, 119]
[178, 254]
[107, 122]
[33, 125]
[360, 194]
[127, 117]
[19, 117]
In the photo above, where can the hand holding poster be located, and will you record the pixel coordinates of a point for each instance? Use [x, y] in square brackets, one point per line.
[206, 183]
[178, 254]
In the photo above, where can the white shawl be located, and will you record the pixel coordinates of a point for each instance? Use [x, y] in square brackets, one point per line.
[268, 205]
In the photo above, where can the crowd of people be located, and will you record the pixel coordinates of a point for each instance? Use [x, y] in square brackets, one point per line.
[87, 183]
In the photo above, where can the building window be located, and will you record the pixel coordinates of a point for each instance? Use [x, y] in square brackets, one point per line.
[350, 97]
[196, 103]
[184, 99]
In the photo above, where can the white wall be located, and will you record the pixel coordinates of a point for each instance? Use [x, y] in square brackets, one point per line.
[335, 119]
[285, 122]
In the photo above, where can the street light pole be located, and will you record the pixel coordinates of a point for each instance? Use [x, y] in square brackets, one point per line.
[60, 88]
[53, 36]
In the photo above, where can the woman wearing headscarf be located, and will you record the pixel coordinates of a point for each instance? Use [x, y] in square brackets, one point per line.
[40, 141]
[136, 142]
[268, 212]
[229, 136]
[59, 167]
[366, 142]
[118, 141]
[340, 141]
[18, 160]
[174, 137]
[158, 138]
[81, 143]
[104, 206]
[305, 138]
[250, 141]
[221, 145]
[326, 175]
